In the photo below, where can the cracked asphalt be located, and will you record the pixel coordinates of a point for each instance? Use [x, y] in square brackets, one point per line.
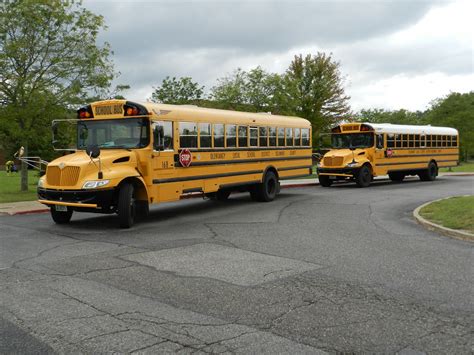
[318, 270]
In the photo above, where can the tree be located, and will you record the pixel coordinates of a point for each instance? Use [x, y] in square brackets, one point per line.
[49, 59]
[177, 91]
[230, 90]
[455, 110]
[385, 116]
[313, 89]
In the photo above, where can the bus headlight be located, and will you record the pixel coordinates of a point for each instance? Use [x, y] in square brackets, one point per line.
[95, 184]
[41, 182]
[352, 164]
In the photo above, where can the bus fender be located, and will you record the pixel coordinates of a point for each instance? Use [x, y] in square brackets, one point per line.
[139, 186]
[272, 169]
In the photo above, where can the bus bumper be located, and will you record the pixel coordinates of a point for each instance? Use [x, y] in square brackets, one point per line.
[81, 200]
[339, 172]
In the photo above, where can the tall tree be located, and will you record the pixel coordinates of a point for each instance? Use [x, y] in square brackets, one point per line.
[401, 116]
[49, 58]
[177, 91]
[314, 90]
[229, 91]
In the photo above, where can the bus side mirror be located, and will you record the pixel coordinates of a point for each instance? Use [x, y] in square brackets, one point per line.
[93, 150]
[158, 135]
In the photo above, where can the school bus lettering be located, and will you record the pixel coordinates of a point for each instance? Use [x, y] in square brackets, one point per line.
[140, 155]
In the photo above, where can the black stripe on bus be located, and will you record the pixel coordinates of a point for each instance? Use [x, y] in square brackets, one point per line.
[415, 162]
[295, 168]
[202, 177]
[295, 176]
[421, 155]
[242, 161]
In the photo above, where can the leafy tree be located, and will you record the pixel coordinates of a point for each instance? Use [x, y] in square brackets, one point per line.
[230, 90]
[177, 91]
[313, 89]
[385, 116]
[455, 110]
[49, 59]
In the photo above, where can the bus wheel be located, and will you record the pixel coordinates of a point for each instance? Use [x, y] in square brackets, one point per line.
[363, 177]
[267, 190]
[126, 206]
[324, 180]
[142, 208]
[430, 173]
[396, 176]
[219, 195]
[61, 217]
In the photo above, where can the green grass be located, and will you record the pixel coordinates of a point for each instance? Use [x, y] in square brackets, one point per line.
[10, 187]
[463, 168]
[454, 213]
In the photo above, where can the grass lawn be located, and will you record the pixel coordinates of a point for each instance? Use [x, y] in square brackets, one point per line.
[464, 168]
[10, 187]
[454, 213]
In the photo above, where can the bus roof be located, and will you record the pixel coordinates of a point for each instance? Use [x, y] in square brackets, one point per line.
[200, 114]
[411, 129]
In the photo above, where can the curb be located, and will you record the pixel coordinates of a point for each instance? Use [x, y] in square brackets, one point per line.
[453, 233]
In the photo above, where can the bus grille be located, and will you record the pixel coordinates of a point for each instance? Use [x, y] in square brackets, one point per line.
[333, 161]
[62, 177]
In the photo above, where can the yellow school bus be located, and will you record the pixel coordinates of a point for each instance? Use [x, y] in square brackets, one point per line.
[130, 155]
[361, 151]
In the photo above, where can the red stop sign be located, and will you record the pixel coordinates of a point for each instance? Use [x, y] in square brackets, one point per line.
[185, 157]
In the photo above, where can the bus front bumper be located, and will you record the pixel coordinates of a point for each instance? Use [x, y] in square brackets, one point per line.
[103, 200]
[339, 172]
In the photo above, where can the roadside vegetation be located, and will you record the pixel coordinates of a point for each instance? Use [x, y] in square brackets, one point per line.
[467, 167]
[454, 213]
[10, 187]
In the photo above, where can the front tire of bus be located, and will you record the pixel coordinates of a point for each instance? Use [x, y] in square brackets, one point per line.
[430, 173]
[126, 206]
[324, 180]
[60, 217]
[267, 190]
[364, 176]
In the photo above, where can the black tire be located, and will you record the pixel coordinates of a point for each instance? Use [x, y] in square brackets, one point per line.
[396, 176]
[220, 195]
[60, 217]
[430, 173]
[126, 206]
[363, 177]
[267, 190]
[324, 180]
[142, 208]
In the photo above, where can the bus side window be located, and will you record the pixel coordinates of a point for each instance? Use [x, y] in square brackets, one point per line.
[428, 141]
[230, 133]
[417, 140]
[263, 140]
[243, 136]
[253, 136]
[405, 140]
[188, 135]
[218, 135]
[297, 136]
[379, 141]
[422, 141]
[163, 135]
[205, 135]
[390, 140]
[289, 137]
[305, 137]
[281, 137]
[455, 141]
[272, 136]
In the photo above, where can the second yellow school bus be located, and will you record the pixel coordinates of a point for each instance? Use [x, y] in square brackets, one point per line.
[361, 151]
[130, 155]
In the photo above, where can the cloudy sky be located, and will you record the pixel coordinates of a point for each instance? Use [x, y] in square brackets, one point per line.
[393, 53]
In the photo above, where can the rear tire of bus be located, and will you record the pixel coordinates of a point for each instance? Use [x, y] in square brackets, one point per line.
[364, 176]
[430, 173]
[126, 206]
[396, 176]
[60, 217]
[267, 190]
[324, 181]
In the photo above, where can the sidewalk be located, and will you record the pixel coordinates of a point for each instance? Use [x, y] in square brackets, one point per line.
[15, 208]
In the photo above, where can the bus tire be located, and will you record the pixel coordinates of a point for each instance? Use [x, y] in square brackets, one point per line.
[396, 176]
[219, 195]
[267, 190]
[430, 173]
[324, 180]
[142, 208]
[364, 176]
[60, 217]
[126, 206]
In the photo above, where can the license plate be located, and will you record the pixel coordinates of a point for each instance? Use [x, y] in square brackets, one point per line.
[59, 208]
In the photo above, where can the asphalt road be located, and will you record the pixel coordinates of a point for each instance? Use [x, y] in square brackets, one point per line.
[341, 269]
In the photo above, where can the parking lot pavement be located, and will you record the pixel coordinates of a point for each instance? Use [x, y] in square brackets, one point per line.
[341, 269]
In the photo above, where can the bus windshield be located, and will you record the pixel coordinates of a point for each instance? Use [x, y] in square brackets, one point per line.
[111, 134]
[352, 140]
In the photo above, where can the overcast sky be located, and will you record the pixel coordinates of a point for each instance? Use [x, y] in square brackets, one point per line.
[393, 54]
